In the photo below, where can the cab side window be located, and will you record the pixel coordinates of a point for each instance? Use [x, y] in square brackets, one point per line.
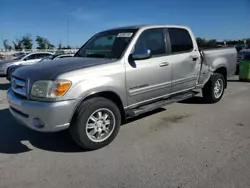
[38, 56]
[31, 57]
[44, 55]
[152, 39]
[181, 41]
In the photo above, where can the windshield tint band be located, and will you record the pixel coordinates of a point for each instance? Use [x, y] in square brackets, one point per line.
[107, 44]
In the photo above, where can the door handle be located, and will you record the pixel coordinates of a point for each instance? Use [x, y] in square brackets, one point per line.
[194, 57]
[164, 64]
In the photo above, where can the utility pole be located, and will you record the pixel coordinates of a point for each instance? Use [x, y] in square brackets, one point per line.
[1, 41]
[68, 32]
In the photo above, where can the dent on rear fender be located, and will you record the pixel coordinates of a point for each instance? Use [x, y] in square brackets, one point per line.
[206, 72]
[209, 66]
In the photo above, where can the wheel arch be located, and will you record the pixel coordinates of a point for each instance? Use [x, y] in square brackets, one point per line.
[223, 71]
[114, 97]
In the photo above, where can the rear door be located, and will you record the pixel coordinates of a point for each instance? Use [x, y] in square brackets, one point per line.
[184, 58]
[149, 79]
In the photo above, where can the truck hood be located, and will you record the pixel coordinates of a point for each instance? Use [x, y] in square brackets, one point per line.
[50, 69]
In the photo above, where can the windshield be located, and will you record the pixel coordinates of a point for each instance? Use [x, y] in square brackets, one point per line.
[108, 44]
[20, 57]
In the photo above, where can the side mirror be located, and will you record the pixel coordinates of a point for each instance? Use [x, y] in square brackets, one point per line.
[24, 59]
[143, 54]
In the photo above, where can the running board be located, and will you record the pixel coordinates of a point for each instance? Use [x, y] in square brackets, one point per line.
[158, 104]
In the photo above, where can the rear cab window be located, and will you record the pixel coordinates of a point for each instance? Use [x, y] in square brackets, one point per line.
[180, 40]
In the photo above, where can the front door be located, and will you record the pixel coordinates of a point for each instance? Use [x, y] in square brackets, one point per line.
[149, 79]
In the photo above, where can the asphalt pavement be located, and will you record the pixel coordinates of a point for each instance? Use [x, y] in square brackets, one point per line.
[184, 145]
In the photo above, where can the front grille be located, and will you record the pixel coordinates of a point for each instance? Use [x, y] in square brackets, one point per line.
[19, 86]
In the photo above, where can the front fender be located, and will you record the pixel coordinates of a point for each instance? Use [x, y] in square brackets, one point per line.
[91, 86]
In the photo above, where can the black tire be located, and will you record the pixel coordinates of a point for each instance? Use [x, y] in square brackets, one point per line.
[208, 90]
[237, 71]
[85, 110]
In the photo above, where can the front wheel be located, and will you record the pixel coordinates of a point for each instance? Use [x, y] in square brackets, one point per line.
[214, 88]
[96, 123]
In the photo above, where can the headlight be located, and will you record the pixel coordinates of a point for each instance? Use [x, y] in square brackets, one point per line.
[50, 89]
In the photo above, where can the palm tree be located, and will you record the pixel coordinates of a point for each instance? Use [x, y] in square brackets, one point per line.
[27, 42]
[43, 43]
[5, 44]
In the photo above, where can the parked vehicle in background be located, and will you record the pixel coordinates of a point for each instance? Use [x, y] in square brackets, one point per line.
[1, 56]
[118, 74]
[239, 48]
[244, 52]
[56, 56]
[244, 65]
[19, 54]
[12, 68]
[27, 59]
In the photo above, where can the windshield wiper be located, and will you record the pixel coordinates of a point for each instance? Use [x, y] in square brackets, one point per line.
[93, 55]
[99, 56]
[96, 55]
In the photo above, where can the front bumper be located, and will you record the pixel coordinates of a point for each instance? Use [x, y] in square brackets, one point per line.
[3, 70]
[56, 116]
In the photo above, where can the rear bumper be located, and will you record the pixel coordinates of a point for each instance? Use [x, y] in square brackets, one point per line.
[55, 116]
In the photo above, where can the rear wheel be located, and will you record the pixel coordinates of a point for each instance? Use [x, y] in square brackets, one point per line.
[214, 88]
[96, 123]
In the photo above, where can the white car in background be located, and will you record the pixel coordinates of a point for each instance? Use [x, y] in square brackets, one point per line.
[25, 59]
[12, 68]
[55, 56]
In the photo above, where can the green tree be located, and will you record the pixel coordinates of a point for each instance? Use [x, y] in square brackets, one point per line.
[18, 44]
[27, 42]
[248, 41]
[50, 46]
[6, 45]
[201, 42]
[211, 43]
[60, 46]
[10, 48]
[66, 47]
[43, 43]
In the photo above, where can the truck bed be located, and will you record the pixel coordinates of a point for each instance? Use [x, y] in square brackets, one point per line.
[215, 58]
[225, 56]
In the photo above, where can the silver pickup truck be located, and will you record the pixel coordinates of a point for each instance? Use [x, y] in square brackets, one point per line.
[117, 74]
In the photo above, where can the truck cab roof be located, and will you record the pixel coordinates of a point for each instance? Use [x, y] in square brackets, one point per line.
[147, 27]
